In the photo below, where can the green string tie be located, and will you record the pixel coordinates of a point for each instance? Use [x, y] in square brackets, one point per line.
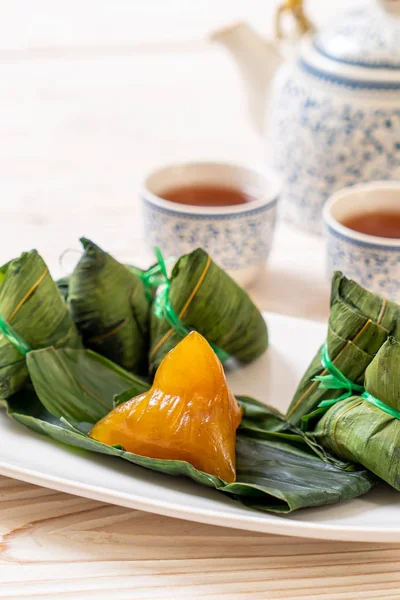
[152, 278]
[163, 308]
[393, 412]
[13, 337]
[334, 380]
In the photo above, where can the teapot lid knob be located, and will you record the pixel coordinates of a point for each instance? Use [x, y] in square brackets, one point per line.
[295, 9]
[391, 6]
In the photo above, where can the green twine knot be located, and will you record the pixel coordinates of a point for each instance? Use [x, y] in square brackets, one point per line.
[13, 337]
[152, 278]
[163, 307]
[393, 412]
[162, 304]
[335, 380]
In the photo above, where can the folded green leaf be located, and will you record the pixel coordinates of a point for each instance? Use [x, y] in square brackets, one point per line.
[276, 470]
[108, 303]
[63, 283]
[207, 300]
[358, 431]
[278, 476]
[31, 303]
[359, 324]
[266, 423]
[79, 384]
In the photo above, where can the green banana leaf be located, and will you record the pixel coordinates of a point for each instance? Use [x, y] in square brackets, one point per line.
[207, 300]
[63, 283]
[359, 431]
[63, 286]
[359, 324]
[31, 303]
[276, 470]
[83, 394]
[109, 305]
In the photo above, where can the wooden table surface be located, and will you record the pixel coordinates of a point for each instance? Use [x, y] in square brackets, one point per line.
[93, 95]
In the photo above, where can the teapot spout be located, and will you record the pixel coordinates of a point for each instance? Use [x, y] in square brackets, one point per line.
[257, 60]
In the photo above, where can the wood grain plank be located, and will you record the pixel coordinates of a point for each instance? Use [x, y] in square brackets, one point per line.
[53, 544]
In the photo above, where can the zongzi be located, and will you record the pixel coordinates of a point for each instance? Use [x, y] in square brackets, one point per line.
[277, 469]
[189, 413]
[109, 305]
[359, 324]
[32, 305]
[204, 298]
[366, 429]
[275, 472]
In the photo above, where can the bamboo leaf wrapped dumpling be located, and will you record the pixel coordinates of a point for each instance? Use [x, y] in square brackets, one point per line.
[277, 469]
[109, 305]
[359, 324]
[366, 429]
[207, 300]
[32, 305]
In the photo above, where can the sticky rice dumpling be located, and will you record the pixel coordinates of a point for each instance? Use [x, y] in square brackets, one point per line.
[188, 414]
[365, 429]
[360, 322]
[109, 306]
[32, 305]
[207, 300]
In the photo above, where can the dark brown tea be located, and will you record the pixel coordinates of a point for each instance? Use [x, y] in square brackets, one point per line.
[207, 195]
[380, 223]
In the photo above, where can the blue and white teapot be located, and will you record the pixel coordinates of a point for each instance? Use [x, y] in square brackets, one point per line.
[333, 116]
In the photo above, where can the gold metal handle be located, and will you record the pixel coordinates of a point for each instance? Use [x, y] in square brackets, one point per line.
[296, 9]
[392, 7]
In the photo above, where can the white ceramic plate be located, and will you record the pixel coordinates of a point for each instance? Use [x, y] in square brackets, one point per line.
[273, 379]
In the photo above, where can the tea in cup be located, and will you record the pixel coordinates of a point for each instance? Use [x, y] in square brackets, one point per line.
[362, 225]
[228, 210]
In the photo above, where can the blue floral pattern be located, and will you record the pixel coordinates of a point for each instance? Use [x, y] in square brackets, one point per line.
[364, 37]
[325, 138]
[374, 267]
[235, 241]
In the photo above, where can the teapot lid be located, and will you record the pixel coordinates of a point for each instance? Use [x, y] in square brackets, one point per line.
[364, 37]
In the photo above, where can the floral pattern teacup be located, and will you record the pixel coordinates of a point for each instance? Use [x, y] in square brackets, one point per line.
[372, 261]
[237, 237]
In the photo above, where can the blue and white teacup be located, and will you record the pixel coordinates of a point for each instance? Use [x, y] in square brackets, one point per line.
[372, 261]
[238, 237]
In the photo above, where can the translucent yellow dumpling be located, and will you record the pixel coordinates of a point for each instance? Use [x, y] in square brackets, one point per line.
[188, 414]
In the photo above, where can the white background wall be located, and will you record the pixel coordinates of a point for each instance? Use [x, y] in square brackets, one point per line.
[27, 24]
